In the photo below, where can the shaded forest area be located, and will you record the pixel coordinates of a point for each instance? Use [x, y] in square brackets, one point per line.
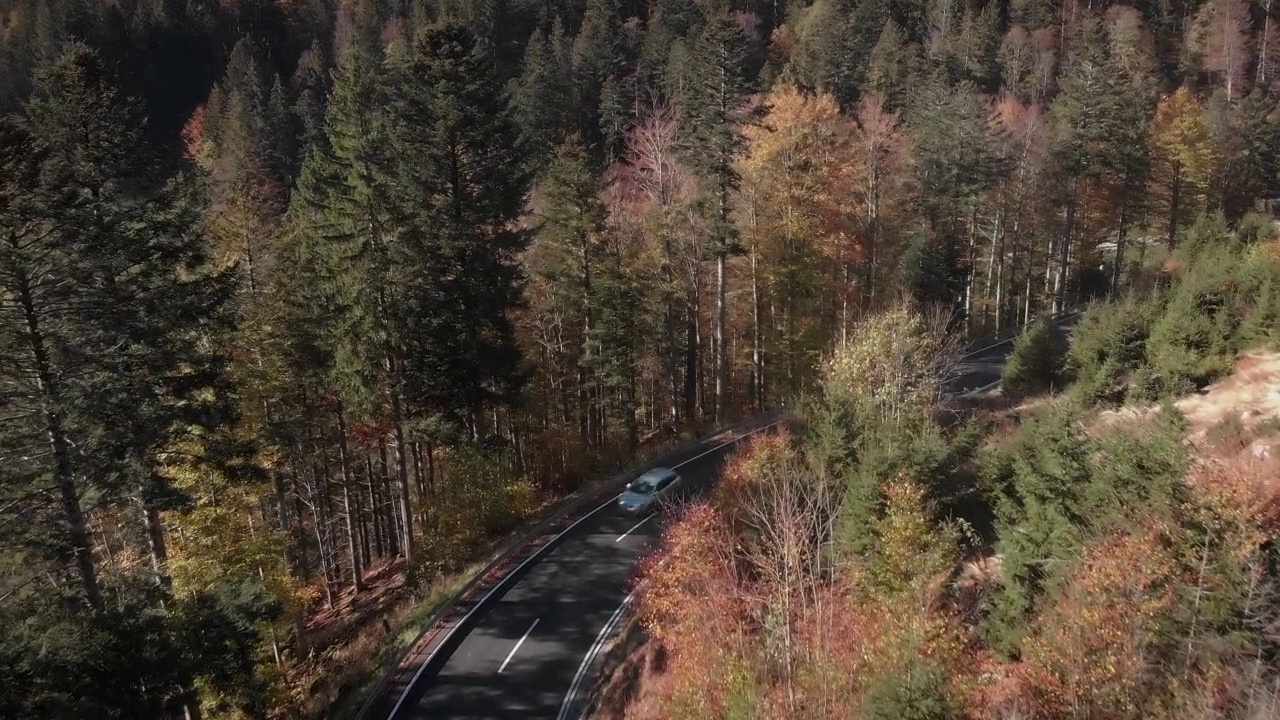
[299, 296]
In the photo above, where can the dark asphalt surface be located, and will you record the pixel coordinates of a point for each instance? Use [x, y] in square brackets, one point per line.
[571, 593]
[520, 659]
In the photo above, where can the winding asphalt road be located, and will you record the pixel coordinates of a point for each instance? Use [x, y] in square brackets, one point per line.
[524, 656]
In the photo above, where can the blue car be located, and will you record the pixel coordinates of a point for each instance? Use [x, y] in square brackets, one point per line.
[643, 493]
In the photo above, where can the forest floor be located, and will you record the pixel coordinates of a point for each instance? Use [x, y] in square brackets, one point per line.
[1236, 421]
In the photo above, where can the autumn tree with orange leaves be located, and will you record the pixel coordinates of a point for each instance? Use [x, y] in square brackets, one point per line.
[1183, 156]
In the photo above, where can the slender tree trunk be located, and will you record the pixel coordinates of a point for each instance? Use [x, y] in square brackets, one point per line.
[721, 352]
[757, 335]
[692, 355]
[320, 526]
[375, 507]
[79, 539]
[970, 254]
[350, 509]
[402, 477]
[1001, 295]
[387, 502]
[1263, 48]
[1121, 235]
[844, 302]
[1064, 254]
[1175, 198]
[156, 545]
[992, 261]
[290, 555]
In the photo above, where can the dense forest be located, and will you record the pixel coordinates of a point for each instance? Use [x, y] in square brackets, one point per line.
[1101, 542]
[296, 295]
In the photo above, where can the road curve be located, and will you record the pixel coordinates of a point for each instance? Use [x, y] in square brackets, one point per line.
[526, 651]
[524, 648]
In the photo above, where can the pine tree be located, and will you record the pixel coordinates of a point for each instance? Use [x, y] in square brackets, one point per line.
[955, 162]
[459, 196]
[126, 374]
[566, 260]
[835, 41]
[350, 237]
[1039, 517]
[890, 65]
[1249, 162]
[1096, 123]
[713, 93]
[542, 97]
[107, 320]
[597, 55]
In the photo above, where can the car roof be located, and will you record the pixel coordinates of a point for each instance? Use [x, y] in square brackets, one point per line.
[657, 474]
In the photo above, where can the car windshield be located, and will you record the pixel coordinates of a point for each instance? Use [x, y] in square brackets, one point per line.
[644, 485]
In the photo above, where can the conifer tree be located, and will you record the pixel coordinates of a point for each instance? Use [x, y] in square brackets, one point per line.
[542, 97]
[711, 106]
[597, 55]
[890, 65]
[955, 162]
[458, 197]
[351, 234]
[128, 374]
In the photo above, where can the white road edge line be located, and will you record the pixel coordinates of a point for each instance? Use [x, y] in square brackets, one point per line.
[633, 527]
[567, 704]
[518, 644]
[395, 710]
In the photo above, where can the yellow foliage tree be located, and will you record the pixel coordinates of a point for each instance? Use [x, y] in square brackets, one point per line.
[795, 219]
[1183, 157]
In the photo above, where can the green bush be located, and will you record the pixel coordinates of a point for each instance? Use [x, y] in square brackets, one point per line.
[914, 690]
[1137, 470]
[1255, 228]
[1038, 362]
[1196, 339]
[1260, 324]
[1109, 344]
[1226, 299]
[1144, 385]
[1207, 233]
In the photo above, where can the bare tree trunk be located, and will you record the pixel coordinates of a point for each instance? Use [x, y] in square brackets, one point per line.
[320, 527]
[387, 503]
[1263, 48]
[1175, 198]
[692, 355]
[721, 352]
[1121, 235]
[1064, 254]
[350, 509]
[375, 510]
[402, 477]
[156, 545]
[757, 335]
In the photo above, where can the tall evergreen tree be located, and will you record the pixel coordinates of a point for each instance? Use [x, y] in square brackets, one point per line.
[126, 376]
[712, 112]
[107, 319]
[955, 162]
[350, 234]
[459, 195]
[597, 55]
[542, 97]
